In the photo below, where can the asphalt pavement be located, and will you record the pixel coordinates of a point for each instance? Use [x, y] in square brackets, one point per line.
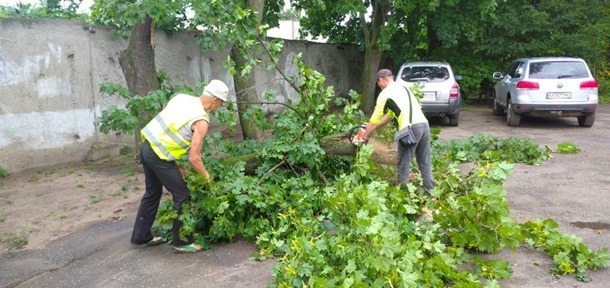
[572, 189]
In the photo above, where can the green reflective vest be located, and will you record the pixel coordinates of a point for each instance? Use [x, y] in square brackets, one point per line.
[162, 132]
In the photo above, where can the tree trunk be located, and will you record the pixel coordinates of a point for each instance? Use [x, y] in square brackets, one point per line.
[138, 64]
[372, 55]
[432, 39]
[372, 58]
[245, 95]
[336, 144]
[244, 85]
[339, 144]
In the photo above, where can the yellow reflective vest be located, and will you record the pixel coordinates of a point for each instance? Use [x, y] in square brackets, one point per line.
[394, 101]
[162, 132]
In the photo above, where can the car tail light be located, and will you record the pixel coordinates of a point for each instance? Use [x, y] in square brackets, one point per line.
[528, 85]
[589, 84]
[455, 90]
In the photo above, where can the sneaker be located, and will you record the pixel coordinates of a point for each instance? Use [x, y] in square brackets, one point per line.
[191, 248]
[155, 241]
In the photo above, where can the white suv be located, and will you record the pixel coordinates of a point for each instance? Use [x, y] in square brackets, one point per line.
[441, 92]
[546, 87]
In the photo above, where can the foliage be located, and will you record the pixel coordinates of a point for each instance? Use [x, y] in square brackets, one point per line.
[475, 37]
[337, 221]
[477, 44]
[66, 9]
[568, 252]
[476, 214]
[138, 109]
[567, 148]
[603, 81]
[122, 15]
[487, 147]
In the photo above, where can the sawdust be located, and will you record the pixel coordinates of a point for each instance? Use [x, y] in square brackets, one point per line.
[40, 205]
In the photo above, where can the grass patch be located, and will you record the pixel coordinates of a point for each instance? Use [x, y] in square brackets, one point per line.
[47, 172]
[128, 172]
[126, 150]
[3, 173]
[14, 241]
[94, 199]
[3, 216]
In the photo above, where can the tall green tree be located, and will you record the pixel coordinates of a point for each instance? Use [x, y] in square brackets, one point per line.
[402, 29]
[221, 24]
[137, 60]
[243, 26]
[354, 22]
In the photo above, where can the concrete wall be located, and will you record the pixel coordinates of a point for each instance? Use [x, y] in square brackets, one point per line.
[50, 72]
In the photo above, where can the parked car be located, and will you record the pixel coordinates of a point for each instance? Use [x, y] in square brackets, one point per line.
[441, 92]
[546, 87]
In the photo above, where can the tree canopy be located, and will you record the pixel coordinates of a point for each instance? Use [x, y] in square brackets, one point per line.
[475, 37]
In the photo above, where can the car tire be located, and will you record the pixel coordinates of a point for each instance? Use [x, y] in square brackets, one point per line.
[512, 118]
[497, 109]
[454, 119]
[586, 121]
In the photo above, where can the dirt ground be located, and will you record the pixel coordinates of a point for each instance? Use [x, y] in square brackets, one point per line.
[40, 205]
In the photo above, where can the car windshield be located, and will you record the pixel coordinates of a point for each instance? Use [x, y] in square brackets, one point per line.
[558, 70]
[425, 74]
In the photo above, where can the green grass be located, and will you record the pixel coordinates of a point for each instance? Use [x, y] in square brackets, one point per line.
[94, 199]
[3, 173]
[2, 216]
[14, 241]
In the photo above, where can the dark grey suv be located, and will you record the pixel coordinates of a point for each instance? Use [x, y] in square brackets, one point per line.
[438, 84]
[546, 87]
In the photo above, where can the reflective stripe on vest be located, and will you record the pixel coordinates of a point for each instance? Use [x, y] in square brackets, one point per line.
[163, 131]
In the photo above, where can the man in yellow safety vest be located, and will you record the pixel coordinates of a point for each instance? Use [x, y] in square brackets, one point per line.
[177, 130]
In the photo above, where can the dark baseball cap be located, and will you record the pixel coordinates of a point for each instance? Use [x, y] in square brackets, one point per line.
[384, 73]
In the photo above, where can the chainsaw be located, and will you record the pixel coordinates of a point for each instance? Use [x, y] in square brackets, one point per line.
[356, 135]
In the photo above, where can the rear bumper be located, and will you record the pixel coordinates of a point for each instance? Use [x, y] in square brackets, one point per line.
[451, 108]
[560, 110]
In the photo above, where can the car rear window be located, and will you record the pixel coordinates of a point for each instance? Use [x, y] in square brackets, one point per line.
[558, 70]
[425, 73]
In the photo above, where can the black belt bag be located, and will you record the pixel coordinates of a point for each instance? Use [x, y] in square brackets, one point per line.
[405, 135]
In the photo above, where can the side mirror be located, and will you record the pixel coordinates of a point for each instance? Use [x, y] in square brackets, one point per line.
[498, 75]
[458, 77]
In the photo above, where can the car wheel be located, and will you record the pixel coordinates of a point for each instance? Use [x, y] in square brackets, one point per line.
[586, 121]
[454, 119]
[512, 118]
[497, 109]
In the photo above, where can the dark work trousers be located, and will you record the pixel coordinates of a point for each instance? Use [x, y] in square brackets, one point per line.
[159, 173]
[421, 150]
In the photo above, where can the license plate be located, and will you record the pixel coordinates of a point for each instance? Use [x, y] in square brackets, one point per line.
[429, 96]
[559, 95]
